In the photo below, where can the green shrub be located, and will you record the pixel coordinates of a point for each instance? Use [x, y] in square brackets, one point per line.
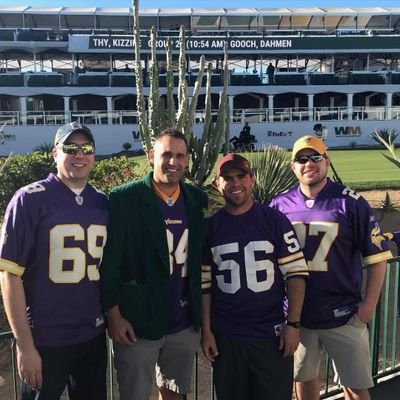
[20, 171]
[112, 172]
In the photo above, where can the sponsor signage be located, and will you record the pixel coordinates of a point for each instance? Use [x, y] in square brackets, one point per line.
[347, 131]
[279, 133]
[205, 44]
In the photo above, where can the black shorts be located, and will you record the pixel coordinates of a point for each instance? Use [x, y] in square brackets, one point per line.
[251, 370]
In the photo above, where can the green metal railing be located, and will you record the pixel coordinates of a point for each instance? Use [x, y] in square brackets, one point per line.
[384, 334]
[384, 347]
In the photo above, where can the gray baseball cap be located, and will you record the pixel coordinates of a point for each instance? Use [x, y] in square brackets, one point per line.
[64, 132]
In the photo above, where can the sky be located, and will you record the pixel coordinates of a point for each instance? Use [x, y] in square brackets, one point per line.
[206, 3]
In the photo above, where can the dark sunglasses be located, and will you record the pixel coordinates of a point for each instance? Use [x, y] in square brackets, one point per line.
[72, 148]
[315, 158]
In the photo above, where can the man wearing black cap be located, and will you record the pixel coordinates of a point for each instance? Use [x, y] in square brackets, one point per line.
[252, 257]
[51, 244]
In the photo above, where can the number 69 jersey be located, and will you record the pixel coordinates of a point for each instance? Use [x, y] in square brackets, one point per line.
[339, 235]
[247, 259]
[54, 240]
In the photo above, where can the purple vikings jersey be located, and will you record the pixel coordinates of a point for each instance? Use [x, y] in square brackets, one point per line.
[339, 235]
[54, 240]
[247, 258]
[179, 316]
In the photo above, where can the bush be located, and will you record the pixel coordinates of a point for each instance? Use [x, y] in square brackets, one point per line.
[18, 171]
[112, 172]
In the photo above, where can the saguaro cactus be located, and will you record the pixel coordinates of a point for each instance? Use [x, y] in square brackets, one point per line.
[162, 114]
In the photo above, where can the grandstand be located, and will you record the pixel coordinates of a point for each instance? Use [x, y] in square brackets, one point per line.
[336, 71]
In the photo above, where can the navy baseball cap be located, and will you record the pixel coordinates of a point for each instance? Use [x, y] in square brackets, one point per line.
[231, 161]
[65, 131]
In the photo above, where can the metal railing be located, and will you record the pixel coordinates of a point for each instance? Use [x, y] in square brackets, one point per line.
[252, 115]
[384, 347]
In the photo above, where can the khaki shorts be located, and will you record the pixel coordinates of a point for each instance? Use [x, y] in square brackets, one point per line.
[348, 347]
[171, 357]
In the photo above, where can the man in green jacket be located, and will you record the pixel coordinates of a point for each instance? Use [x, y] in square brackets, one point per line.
[151, 272]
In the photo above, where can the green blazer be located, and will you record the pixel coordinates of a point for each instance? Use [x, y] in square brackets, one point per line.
[135, 272]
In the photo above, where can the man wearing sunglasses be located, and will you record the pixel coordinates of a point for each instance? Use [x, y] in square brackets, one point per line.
[51, 245]
[339, 236]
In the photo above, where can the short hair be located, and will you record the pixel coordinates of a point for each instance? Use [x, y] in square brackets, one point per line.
[174, 133]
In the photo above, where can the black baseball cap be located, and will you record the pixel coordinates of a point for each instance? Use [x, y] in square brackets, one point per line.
[65, 131]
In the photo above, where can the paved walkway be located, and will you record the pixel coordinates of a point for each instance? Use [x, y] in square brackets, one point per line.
[389, 390]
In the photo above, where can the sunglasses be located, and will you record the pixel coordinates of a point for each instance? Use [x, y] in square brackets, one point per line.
[72, 148]
[315, 158]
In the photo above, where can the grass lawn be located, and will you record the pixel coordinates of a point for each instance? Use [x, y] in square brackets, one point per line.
[366, 169]
[361, 169]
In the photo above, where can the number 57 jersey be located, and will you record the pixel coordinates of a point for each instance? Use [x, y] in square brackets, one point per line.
[54, 240]
[247, 259]
[339, 235]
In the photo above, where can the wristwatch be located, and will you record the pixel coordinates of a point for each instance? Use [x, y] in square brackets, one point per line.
[293, 324]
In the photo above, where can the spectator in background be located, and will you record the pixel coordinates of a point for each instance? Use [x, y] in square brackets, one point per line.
[271, 74]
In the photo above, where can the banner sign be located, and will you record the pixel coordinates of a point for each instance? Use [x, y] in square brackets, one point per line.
[240, 44]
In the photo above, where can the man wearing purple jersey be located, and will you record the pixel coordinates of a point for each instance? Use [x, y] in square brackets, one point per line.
[339, 235]
[51, 245]
[151, 274]
[251, 258]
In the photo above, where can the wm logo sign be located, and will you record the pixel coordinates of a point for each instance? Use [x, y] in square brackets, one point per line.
[347, 131]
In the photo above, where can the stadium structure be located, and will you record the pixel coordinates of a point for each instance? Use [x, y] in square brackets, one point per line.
[336, 71]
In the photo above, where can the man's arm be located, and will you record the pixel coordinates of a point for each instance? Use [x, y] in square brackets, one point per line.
[208, 344]
[375, 277]
[28, 358]
[290, 336]
[119, 329]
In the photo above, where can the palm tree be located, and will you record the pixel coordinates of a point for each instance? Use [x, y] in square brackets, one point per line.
[387, 138]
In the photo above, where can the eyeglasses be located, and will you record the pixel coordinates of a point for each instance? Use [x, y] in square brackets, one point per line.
[315, 158]
[72, 148]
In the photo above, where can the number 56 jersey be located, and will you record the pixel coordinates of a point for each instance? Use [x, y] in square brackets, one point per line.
[247, 259]
[54, 240]
[339, 235]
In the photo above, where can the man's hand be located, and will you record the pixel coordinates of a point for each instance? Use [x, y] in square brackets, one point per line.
[289, 340]
[119, 329]
[29, 365]
[208, 345]
[365, 311]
